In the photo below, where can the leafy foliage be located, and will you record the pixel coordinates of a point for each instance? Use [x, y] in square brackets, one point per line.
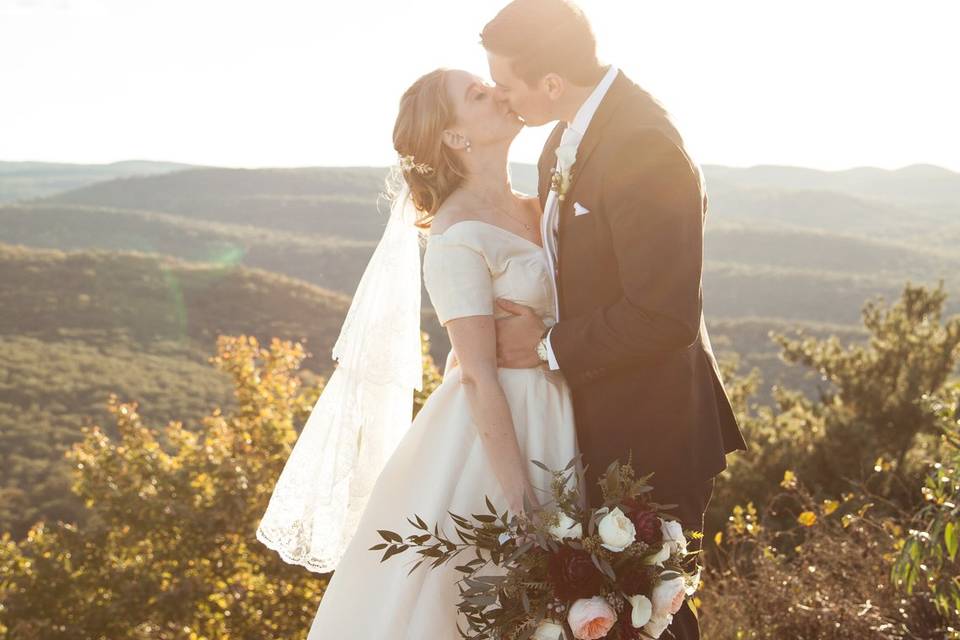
[167, 549]
[929, 559]
[49, 390]
[856, 550]
[878, 407]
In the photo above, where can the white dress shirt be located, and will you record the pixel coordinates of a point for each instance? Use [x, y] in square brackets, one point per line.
[550, 226]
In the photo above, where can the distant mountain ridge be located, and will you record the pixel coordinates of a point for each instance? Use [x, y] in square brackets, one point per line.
[340, 202]
[915, 184]
[29, 167]
[27, 180]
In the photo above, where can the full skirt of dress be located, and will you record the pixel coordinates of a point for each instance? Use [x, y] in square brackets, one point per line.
[440, 465]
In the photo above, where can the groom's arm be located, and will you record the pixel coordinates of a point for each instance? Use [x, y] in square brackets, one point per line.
[653, 202]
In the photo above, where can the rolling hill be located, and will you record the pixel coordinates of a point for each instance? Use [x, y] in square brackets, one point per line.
[917, 184]
[25, 180]
[829, 248]
[337, 202]
[78, 326]
[336, 263]
[156, 298]
[798, 248]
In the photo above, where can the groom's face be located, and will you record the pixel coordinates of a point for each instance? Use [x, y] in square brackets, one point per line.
[533, 104]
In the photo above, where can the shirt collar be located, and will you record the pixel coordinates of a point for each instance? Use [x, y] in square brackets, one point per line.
[585, 114]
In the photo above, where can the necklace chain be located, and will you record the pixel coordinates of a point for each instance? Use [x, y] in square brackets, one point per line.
[507, 213]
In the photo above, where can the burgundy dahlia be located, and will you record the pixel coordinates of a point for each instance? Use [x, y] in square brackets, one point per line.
[573, 574]
[647, 524]
[645, 520]
[635, 504]
[635, 580]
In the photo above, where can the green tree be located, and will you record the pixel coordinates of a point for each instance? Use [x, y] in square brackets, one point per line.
[877, 410]
[856, 550]
[884, 393]
[167, 549]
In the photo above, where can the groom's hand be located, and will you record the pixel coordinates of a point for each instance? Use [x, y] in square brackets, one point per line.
[517, 336]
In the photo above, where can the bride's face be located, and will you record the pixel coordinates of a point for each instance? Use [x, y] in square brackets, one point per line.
[481, 118]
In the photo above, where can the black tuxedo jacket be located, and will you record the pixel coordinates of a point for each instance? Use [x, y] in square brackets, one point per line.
[631, 339]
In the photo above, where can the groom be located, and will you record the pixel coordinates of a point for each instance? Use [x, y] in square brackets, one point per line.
[624, 209]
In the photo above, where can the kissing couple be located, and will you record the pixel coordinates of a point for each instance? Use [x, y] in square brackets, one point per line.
[575, 319]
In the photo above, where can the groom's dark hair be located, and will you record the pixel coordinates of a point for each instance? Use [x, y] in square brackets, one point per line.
[544, 36]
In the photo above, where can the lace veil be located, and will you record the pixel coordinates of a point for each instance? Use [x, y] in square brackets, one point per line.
[364, 410]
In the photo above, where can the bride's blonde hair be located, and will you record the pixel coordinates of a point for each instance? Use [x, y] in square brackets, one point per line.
[430, 168]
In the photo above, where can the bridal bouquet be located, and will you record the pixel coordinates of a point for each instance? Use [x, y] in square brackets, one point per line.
[537, 576]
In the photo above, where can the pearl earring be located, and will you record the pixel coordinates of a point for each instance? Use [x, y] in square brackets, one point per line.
[468, 146]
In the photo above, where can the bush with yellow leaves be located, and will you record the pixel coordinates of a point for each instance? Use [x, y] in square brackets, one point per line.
[168, 550]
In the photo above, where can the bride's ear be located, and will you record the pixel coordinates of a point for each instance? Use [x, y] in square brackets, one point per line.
[454, 140]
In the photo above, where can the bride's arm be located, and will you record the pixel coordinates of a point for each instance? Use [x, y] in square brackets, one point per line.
[475, 346]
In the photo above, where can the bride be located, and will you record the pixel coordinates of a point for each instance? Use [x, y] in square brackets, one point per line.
[360, 464]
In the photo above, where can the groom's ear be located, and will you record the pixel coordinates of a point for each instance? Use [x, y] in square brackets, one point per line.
[554, 85]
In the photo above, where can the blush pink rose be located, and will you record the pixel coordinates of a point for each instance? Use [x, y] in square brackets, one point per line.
[668, 596]
[591, 619]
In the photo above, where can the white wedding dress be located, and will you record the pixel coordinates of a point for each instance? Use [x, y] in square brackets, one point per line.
[440, 464]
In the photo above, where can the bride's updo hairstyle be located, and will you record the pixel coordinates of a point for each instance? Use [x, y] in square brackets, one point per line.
[430, 168]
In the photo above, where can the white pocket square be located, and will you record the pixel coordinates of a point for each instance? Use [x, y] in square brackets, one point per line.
[579, 209]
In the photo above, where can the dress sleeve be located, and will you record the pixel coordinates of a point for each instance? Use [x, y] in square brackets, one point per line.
[458, 280]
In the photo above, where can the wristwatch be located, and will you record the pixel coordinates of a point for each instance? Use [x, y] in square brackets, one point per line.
[542, 347]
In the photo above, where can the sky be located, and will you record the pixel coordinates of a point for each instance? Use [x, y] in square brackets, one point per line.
[825, 84]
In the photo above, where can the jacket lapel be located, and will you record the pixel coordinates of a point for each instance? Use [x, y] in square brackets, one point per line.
[594, 134]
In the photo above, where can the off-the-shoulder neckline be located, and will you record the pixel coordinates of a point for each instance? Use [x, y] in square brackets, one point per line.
[489, 224]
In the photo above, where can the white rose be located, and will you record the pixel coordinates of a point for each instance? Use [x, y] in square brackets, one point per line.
[567, 155]
[673, 536]
[661, 556]
[616, 530]
[548, 630]
[657, 625]
[668, 596]
[566, 528]
[641, 611]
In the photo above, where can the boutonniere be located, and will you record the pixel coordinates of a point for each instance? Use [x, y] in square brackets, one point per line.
[560, 181]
